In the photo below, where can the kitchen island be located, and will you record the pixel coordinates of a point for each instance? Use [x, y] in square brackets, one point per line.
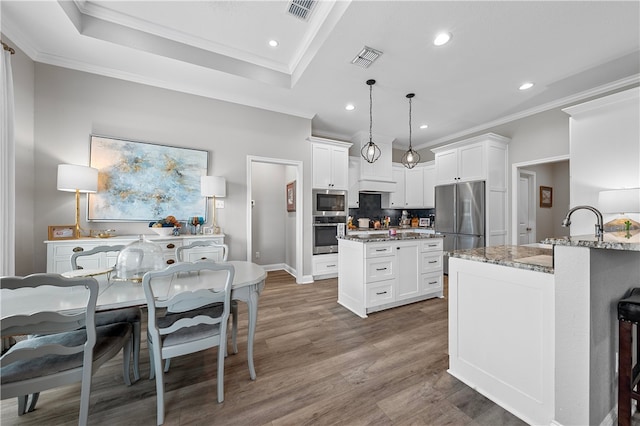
[535, 329]
[377, 271]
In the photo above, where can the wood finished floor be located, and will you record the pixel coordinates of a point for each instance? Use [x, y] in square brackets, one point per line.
[317, 363]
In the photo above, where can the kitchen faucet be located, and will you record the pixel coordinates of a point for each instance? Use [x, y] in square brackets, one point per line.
[599, 226]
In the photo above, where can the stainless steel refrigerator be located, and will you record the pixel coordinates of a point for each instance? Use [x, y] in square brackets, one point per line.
[460, 211]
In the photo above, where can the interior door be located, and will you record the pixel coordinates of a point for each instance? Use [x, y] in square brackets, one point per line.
[526, 219]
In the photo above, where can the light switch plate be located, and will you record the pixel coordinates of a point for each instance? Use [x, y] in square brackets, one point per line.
[219, 204]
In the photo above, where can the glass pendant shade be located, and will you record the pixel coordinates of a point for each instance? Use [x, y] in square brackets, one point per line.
[138, 258]
[411, 157]
[370, 152]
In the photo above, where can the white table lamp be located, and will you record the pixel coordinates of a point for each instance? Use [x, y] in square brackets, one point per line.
[620, 201]
[213, 186]
[78, 179]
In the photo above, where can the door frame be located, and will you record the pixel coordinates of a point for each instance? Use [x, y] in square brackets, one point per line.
[251, 159]
[531, 183]
[515, 175]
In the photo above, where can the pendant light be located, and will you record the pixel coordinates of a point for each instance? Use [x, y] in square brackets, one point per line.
[371, 151]
[411, 157]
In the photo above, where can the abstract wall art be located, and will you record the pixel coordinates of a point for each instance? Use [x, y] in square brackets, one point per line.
[140, 181]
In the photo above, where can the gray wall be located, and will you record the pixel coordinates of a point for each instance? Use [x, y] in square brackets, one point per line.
[71, 105]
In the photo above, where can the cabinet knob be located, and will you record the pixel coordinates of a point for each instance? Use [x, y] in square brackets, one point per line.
[203, 258]
[170, 261]
[77, 249]
[171, 245]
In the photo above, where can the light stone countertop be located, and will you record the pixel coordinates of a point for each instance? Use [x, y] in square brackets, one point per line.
[611, 241]
[373, 236]
[521, 257]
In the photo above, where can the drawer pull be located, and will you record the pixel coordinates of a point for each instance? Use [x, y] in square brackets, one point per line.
[170, 261]
[381, 249]
[331, 266]
[203, 258]
[381, 269]
[433, 282]
[433, 261]
[381, 293]
[77, 249]
[171, 245]
[433, 245]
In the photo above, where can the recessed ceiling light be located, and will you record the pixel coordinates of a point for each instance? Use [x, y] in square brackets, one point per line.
[442, 38]
[273, 43]
[350, 107]
[525, 86]
[424, 126]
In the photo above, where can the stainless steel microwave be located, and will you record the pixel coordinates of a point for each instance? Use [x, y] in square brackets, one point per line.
[329, 202]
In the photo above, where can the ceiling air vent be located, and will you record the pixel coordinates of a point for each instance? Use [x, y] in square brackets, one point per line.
[301, 9]
[366, 57]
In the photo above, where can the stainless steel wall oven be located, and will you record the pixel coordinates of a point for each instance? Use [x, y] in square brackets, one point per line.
[325, 232]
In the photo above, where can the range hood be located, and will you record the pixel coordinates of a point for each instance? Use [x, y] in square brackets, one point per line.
[376, 186]
[372, 177]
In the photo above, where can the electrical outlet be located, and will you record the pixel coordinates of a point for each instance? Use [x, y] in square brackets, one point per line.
[219, 204]
[257, 255]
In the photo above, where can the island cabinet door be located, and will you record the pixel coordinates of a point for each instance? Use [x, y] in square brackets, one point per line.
[408, 284]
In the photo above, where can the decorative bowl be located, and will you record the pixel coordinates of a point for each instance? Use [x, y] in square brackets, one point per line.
[164, 231]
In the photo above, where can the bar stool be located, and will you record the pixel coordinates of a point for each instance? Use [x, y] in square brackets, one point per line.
[628, 373]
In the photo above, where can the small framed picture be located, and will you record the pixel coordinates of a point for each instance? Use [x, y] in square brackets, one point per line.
[291, 196]
[546, 196]
[62, 232]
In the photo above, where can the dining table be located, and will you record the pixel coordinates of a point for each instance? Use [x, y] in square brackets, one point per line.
[248, 283]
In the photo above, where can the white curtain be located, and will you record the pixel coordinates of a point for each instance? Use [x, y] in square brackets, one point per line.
[7, 169]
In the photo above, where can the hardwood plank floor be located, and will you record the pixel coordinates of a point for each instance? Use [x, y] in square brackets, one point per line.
[317, 363]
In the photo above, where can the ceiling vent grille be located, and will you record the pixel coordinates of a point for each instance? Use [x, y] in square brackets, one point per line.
[366, 57]
[301, 9]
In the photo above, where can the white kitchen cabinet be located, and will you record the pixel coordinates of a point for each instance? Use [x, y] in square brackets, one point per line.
[324, 265]
[353, 194]
[414, 187]
[330, 164]
[461, 164]
[395, 199]
[429, 190]
[481, 158]
[378, 275]
[408, 259]
[59, 251]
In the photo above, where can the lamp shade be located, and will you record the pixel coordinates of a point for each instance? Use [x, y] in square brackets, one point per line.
[620, 201]
[72, 177]
[213, 186]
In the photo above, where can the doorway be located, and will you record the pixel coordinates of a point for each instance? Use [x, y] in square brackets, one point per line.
[266, 213]
[526, 207]
[544, 220]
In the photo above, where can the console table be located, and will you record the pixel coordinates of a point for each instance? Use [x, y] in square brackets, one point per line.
[59, 251]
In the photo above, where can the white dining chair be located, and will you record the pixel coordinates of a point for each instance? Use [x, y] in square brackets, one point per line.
[182, 255]
[63, 347]
[176, 335]
[132, 315]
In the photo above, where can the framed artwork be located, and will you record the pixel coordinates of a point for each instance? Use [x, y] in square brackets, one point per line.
[546, 196]
[291, 196]
[62, 232]
[140, 181]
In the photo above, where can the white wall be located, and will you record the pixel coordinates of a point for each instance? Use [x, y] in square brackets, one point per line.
[561, 193]
[605, 152]
[71, 105]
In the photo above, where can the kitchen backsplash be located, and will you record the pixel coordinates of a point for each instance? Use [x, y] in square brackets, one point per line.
[371, 207]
